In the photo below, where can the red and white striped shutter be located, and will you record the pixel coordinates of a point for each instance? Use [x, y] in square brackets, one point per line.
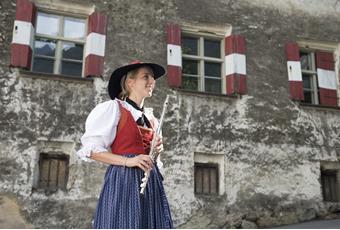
[95, 44]
[235, 64]
[294, 71]
[23, 34]
[174, 55]
[326, 78]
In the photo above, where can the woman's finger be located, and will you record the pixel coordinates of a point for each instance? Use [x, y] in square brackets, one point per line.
[159, 148]
[148, 163]
[159, 141]
[141, 166]
[147, 159]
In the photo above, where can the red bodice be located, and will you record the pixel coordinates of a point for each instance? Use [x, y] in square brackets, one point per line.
[131, 138]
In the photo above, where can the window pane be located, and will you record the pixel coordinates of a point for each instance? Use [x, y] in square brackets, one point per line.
[212, 48]
[190, 46]
[306, 62]
[53, 179]
[190, 67]
[43, 65]
[44, 172]
[47, 24]
[213, 181]
[190, 83]
[307, 96]
[212, 69]
[44, 47]
[198, 179]
[206, 181]
[212, 85]
[307, 84]
[73, 51]
[62, 174]
[74, 28]
[71, 68]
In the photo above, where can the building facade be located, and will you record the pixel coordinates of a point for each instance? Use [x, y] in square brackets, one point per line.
[252, 131]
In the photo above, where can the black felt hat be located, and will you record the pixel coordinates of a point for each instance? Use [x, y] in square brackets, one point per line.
[114, 87]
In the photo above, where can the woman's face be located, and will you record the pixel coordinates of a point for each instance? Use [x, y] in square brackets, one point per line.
[143, 84]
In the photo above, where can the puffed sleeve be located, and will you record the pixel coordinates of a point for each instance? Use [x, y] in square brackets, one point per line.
[100, 129]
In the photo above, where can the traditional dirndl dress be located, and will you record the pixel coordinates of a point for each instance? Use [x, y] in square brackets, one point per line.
[120, 203]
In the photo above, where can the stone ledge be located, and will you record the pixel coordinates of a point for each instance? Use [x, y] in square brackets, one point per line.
[205, 94]
[318, 107]
[55, 77]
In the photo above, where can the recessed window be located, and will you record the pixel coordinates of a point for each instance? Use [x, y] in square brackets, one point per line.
[329, 184]
[53, 171]
[202, 63]
[206, 178]
[59, 44]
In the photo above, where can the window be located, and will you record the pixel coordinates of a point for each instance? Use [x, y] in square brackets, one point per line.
[312, 73]
[53, 171]
[330, 181]
[329, 185]
[202, 63]
[309, 77]
[59, 44]
[206, 178]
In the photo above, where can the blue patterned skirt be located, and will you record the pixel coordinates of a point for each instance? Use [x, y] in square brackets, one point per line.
[121, 205]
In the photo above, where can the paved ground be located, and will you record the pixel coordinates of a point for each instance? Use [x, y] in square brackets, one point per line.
[10, 216]
[315, 224]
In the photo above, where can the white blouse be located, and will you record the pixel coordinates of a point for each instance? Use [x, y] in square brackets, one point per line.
[101, 125]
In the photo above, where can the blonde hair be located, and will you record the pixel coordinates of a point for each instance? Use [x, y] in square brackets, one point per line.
[123, 83]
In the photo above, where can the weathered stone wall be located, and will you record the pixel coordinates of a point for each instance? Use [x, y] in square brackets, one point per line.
[272, 147]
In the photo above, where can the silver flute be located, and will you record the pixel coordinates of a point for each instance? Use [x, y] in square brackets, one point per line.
[153, 154]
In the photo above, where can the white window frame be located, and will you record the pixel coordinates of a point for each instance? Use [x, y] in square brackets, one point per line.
[58, 55]
[202, 59]
[313, 76]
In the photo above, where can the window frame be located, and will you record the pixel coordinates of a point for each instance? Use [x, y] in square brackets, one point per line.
[332, 196]
[332, 167]
[201, 59]
[216, 158]
[59, 40]
[48, 157]
[209, 166]
[313, 75]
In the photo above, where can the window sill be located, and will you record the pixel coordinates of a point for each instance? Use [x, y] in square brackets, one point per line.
[47, 191]
[204, 94]
[206, 195]
[55, 77]
[319, 107]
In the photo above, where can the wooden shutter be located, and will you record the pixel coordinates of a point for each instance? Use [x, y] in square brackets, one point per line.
[326, 78]
[235, 64]
[23, 34]
[95, 44]
[294, 71]
[174, 55]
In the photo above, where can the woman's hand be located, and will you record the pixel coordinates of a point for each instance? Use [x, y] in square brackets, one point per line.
[159, 146]
[142, 161]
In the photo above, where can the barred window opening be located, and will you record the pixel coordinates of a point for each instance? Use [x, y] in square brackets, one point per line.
[206, 178]
[53, 171]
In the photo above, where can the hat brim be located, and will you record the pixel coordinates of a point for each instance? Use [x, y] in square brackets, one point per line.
[114, 87]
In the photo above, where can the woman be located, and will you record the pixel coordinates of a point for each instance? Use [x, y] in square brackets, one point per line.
[122, 126]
